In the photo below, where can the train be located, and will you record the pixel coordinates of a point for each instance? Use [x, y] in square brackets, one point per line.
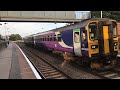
[93, 41]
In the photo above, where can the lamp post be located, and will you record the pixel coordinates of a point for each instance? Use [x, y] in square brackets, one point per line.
[42, 29]
[8, 34]
[7, 38]
[5, 28]
[1, 35]
[56, 25]
[101, 14]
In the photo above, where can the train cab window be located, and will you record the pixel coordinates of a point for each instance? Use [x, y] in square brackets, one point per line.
[59, 37]
[93, 32]
[77, 37]
[114, 24]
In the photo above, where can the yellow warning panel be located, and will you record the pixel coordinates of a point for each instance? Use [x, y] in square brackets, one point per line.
[106, 39]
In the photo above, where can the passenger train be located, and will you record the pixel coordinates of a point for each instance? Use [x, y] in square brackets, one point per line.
[94, 41]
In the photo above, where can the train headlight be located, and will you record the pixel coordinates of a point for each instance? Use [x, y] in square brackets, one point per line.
[94, 46]
[115, 43]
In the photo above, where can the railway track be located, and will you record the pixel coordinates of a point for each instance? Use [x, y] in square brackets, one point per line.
[44, 68]
[110, 74]
[49, 72]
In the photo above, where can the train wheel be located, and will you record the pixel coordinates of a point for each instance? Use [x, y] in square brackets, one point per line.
[113, 62]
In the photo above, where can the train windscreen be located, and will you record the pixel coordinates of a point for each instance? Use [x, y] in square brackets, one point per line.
[93, 31]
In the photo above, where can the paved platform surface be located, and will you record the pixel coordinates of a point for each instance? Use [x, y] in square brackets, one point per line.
[13, 64]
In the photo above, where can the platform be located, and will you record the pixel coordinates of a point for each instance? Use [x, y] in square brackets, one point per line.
[14, 64]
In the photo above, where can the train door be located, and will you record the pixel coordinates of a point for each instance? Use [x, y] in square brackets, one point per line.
[76, 42]
[105, 38]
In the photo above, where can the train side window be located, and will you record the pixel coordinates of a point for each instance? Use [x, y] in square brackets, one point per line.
[84, 36]
[114, 24]
[48, 38]
[44, 38]
[41, 39]
[59, 37]
[76, 37]
[51, 38]
[54, 38]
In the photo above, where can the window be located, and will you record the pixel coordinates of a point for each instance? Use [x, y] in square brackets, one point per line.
[59, 37]
[51, 38]
[45, 38]
[48, 38]
[54, 38]
[93, 31]
[41, 39]
[76, 37]
[84, 38]
[114, 24]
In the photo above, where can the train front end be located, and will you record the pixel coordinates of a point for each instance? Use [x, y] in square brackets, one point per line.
[102, 43]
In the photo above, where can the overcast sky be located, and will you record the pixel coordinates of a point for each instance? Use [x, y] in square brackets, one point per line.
[27, 28]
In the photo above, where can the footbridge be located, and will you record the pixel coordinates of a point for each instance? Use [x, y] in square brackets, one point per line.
[41, 16]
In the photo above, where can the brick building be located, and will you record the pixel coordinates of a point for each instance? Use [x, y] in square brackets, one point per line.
[118, 29]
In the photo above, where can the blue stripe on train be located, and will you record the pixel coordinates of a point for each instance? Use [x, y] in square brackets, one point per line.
[67, 37]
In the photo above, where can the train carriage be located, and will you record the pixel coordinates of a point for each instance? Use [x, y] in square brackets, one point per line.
[94, 39]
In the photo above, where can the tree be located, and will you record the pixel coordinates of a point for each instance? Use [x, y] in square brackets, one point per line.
[107, 14]
[15, 37]
[18, 37]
